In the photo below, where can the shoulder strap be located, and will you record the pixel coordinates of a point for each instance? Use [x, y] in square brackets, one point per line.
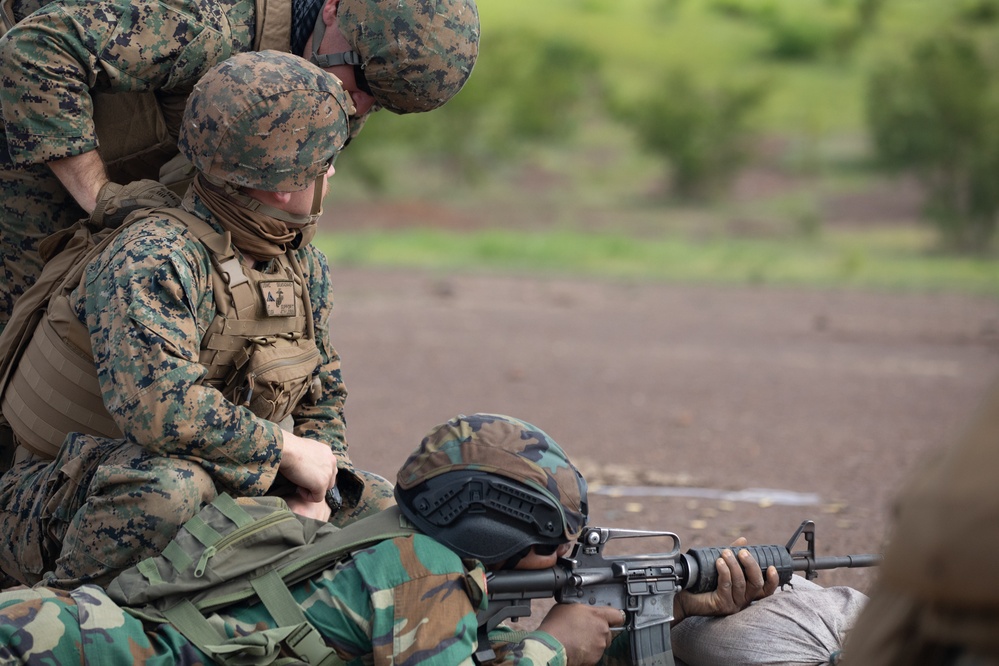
[6, 16]
[299, 639]
[224, 260]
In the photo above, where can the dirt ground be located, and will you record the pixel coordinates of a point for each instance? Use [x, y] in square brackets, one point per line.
[710, 412]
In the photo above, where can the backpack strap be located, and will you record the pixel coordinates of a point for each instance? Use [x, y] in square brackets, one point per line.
[386, 524]
[305, 643]
[294, 634]
[189, 621]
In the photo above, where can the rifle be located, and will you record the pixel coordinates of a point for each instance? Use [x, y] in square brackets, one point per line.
[644, 586]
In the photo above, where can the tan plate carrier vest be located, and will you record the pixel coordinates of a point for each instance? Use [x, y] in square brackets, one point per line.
[259, 350]
[137, 131]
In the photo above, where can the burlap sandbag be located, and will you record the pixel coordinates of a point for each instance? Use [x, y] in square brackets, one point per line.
[801, 624]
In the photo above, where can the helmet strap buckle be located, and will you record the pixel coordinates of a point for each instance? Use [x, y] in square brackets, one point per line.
[325, 60]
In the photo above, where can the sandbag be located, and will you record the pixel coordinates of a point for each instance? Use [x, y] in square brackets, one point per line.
[802, 624]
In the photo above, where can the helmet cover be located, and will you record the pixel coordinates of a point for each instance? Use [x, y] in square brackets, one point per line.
[490, 451]
[416, 54]
[266, 120]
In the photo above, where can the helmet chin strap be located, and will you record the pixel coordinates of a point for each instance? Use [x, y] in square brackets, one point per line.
[256, 206]
[329, 59]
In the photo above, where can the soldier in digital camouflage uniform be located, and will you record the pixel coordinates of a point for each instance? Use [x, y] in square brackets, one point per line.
[263, 130]
[406, 600]
[76, 75]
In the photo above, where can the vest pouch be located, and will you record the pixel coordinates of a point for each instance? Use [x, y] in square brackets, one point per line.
[278, 375]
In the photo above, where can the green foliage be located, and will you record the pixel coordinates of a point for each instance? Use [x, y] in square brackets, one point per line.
[525, 88]
[540, 78]
[884, 260]
[937, 114]
[868, 13]
[701, 130]
[799, 38]
[805, 31]
[978, 12]
[743, 9]
[544, 94]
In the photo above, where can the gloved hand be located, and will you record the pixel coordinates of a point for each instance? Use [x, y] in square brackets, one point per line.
[115, 202]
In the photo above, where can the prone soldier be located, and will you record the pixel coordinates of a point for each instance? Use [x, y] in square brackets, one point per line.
[483, 492]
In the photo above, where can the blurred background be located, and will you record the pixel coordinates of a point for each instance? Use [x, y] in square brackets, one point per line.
[791, 141]
[737, 256]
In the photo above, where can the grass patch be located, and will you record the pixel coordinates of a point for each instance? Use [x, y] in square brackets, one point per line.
[894, 260]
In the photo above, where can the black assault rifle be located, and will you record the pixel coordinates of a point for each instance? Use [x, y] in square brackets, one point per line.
[644, 586]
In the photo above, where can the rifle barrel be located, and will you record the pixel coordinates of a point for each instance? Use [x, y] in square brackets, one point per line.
[837, 562]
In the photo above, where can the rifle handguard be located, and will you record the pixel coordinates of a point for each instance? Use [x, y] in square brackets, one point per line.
[702, 576]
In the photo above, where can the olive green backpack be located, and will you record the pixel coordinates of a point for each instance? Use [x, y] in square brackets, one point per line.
[239, 550]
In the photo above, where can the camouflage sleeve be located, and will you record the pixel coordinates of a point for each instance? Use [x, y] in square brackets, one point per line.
[406, 601]
[40, 626]
[55, 57]
[322, 419]
[148, 300]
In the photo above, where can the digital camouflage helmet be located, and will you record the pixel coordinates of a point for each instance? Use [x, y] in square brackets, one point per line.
[265, 120]
[489, 487]
[413, 55]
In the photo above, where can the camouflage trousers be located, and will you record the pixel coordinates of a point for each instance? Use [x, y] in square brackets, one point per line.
[35, 205]
[103, 505]
[99, 507]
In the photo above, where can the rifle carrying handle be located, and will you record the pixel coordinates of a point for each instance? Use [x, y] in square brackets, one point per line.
[706, 579]
[650, 646]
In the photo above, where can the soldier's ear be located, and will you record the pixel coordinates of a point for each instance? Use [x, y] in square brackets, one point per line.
[329, 11]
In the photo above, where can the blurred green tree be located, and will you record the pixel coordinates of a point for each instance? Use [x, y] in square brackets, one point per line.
[980, 12]
[936, 114]
[701, 130]
[525, 89]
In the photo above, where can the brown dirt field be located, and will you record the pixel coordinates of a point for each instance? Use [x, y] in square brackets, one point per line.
[662, 390]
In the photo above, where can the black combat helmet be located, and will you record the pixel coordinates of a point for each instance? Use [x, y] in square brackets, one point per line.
[489, 487]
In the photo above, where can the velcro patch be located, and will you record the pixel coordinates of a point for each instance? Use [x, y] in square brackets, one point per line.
[279, 298]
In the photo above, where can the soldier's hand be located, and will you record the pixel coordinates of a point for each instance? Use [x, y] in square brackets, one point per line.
[584, 631]
[310, 465]
[740, 582]
[115, 202]
[308, 508]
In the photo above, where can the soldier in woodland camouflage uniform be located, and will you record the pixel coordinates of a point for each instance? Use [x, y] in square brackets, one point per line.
[263, 130]
[406, 600]
[76, 75]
